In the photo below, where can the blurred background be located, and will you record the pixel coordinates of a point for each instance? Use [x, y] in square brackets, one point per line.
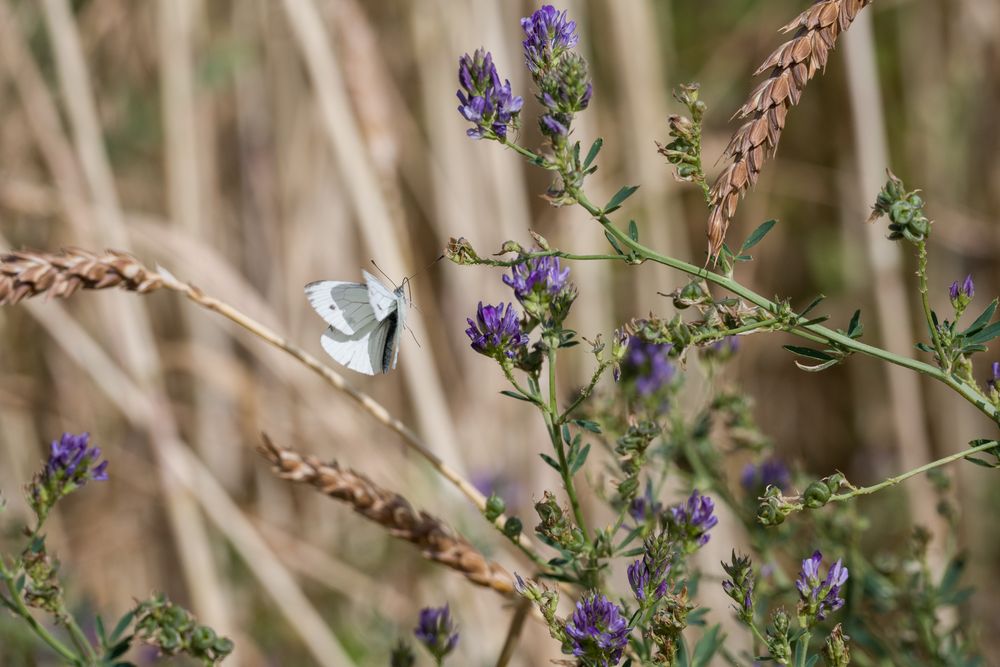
[252, 146]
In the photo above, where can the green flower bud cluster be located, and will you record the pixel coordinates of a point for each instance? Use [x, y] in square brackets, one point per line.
[631, 450]
[461, 252]
[668, 624]
[837, 651]
[905, 211]
[556, 526]
[174, 631]
[684, 151]
[779, 644]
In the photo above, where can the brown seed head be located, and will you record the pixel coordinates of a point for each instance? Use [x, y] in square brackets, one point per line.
[391, 510]
[792, 65]
[26, 273]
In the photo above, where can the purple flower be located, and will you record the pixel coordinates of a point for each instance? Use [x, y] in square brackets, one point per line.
[72, 463]
[436, 630]
[496, 332]
[483, 99]
[961, 295]
[647, 579]
[71, 458]
[598, 631]
[819, 598]
[772, 472]
[994, 382]
[542, 275]
[694, 518]
[549, 33]
[644, 507]
[648, 364]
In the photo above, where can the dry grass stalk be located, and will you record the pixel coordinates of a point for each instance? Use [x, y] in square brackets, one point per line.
[24, 274]
[393, 512]
[792, 65]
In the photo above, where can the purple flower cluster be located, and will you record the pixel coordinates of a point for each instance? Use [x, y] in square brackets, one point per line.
[563, 79]
[644, 507]
[496, 331]
[483, 99]
[436, 631]
[967, 289]
[598, 631]
[72, 459]
[694, 518]
[537, 275]
[819, 598]
[648, 365]
[548, 34]
[772, 472]
[72, 463]
[647, 579]
[994, 382]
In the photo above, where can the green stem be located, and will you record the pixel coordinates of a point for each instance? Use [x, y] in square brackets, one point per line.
[812, 331]
[753, 326]
[585, 393]
[527, 394]
[925, 302]
[79, 639]
[551, 419]
[507, 263]
[16, 603]
[892, 481]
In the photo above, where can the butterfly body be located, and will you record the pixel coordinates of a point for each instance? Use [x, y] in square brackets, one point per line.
[366, 322]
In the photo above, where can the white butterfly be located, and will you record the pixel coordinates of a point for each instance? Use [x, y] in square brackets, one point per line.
[366, 322]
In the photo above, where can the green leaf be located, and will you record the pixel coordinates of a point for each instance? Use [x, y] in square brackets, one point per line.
[706, 647]
[757, 235]
[581, 458]
[815, 320]
[924, 347]
[817, 368]
[516, 394]
[587, 425]
[633, 552]
[614, 243]
[980, 462]
[801, 651]
[815, 302]
[123, 623]
[551, 461]
[565, 435]
[986, 335]
[576, 153]
[634, 533]
[101, 634]
[119, 649]
[983, 319]
[595, 148]
[683, 658]
[633, 231]
[616, 202]
[818, 355]
[855, 328]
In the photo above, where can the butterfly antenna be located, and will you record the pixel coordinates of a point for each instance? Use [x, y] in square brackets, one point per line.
[439, 258]
[384, 274]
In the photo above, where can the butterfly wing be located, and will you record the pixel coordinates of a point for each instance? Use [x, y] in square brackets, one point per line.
[345, 306]
[366, 351]
[382, 300]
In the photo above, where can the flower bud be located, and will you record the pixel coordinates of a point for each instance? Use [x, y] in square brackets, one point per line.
[817, 494]
[495, 506]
